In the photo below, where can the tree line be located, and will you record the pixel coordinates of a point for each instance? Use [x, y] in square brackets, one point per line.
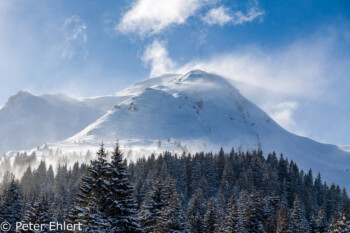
[202, 192]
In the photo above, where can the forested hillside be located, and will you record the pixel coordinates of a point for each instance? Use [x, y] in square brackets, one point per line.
[204, 192]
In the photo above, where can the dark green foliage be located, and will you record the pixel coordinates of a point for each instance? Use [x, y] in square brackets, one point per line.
[12, 206]
[120, 206]
[40, 213]
[203, 192]
[172, 218]
[210, 221]
[153, 207]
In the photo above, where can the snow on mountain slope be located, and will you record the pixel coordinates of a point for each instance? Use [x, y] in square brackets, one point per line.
[203, 111]
[345, 148]
[192, 112]
[28, 120]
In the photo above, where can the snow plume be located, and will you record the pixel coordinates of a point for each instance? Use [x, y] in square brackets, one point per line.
[222, 16]
[147, 17]
[157, 56]
[283, 113]
[297, 73]
[75, 37]
[302, 66]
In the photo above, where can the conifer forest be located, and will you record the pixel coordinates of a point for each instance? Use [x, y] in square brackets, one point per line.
[204, 192]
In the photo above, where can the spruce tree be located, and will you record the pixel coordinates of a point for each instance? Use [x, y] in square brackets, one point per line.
[196, 211]
[172, 218]
[282, 220]
[91, 199]
[319, 223]
[121, 206]
[231, 222]
[298, 222]
[39, 213]
[340, 224]
[210, 221]
[152, 207]
[12, 206]
[253, 213]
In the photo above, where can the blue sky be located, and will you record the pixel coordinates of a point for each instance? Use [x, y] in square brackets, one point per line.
[291, 58]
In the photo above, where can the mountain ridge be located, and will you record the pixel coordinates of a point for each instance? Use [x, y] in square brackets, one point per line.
[198, 111]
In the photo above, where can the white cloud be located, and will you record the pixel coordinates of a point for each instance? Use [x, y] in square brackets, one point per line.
[218, 15]
[222, 16]
[147, 17]
[75, 37]
[253, 13]
[157, 56]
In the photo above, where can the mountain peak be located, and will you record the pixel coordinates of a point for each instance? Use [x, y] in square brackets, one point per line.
[203, 76]
[18, 95]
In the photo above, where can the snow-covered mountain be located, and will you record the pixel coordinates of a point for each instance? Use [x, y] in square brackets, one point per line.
[195, 111]
[28, 120]
[203, 111]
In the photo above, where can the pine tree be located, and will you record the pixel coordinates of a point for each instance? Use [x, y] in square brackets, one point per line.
[231, 223]
[227, 181]
[27, 184]
[253, 213]
[318, 223]
[172, 217]
[298, 222]
[91, 199]
[196, 211]
[39, 213]
[152, 207]
[121, 207]
[13, 206]
[210, 221]
[282, 220]
[340, 224]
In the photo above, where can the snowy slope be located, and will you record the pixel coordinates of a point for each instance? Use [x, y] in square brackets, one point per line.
[28, 120]
[203, 111]
[190, 112]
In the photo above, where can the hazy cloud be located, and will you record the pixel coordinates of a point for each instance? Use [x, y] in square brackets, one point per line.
[253, 13]
[75, 37]
[283, 113]
[222, 16]
[218, 15]
[298, 72]
[299, 69]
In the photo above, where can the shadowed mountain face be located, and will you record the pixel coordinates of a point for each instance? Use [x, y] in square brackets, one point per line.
[28, 120]
[197, 107]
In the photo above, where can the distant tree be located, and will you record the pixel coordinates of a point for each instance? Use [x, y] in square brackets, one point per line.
[253, 213]
[153, 207]
[172, 218]
[12, 207]
[39, 213]
[282, 220]
[210, 221]
[298, 222]
[319, 223]
[231, 222]
[195, 211]
[340, 224]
